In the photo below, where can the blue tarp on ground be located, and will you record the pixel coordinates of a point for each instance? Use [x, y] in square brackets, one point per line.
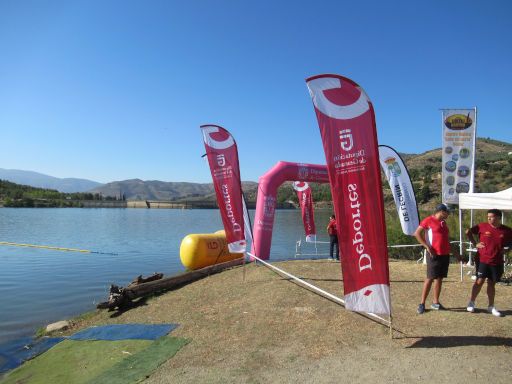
[15, 352]
[124, 331]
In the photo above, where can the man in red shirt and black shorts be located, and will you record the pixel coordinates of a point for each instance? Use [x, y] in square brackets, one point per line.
[433, 234]
[492, 238]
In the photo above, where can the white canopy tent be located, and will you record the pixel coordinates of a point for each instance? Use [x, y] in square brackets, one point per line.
[500, 200]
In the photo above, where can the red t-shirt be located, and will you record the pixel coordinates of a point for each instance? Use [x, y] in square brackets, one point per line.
[494, 239]
[331, 228]
[437, 235]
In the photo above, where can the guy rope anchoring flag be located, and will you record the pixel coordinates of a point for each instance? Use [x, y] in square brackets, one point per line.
[306, 205]
[401, 188]
[347, 126]
[223, 160]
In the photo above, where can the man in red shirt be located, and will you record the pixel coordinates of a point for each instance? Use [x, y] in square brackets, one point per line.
[333, 237]
[492, 238]
[433, 234]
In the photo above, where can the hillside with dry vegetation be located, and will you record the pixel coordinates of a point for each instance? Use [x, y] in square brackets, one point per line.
[493, 173]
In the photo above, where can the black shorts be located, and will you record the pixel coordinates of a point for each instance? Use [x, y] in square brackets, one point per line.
[437, 266]
[492, 272]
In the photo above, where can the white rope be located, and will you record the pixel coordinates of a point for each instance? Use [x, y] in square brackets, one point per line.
[298, 248]
[318, 242]
[314, 288]
[311, 254]
[405, 245]
[389, 246]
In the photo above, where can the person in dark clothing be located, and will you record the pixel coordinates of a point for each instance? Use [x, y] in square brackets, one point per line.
[493, 237]
[333, 237]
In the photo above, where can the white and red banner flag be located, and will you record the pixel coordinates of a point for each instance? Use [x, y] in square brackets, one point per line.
[401, 188]
[347, 126]
[306, 205]
[459, 147]
[222, 156]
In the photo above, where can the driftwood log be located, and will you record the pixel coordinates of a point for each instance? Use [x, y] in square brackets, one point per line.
[120, 297]
[139, 279]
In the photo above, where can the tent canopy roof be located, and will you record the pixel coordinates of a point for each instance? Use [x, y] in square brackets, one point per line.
[500, 200]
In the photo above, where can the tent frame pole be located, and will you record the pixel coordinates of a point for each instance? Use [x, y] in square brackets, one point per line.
[460, 243]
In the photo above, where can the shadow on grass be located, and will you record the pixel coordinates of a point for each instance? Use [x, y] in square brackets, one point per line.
[461, 341]
[130, 305]
[405, 281]
[457, 309]
[478, 311]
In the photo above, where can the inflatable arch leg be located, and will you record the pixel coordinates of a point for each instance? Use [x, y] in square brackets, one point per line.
[267, 198]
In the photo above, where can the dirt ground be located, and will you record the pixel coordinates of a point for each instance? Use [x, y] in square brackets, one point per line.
[268, 329]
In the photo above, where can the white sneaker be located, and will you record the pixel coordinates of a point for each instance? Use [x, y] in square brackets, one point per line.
[471, 307]
[494, 311]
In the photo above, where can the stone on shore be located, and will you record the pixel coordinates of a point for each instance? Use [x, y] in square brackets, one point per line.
[58, 326]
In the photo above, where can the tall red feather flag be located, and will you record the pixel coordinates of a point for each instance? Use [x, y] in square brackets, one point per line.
[222, 154]
[306, 205]
[347, 126]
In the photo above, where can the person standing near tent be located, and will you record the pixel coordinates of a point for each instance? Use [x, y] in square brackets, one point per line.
[333, 238]
[433, 234]
[492, 238]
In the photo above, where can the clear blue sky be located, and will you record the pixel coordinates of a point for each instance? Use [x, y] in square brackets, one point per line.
[114, 90]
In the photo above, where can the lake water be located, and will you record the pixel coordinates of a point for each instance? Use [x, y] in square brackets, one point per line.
[41, 286]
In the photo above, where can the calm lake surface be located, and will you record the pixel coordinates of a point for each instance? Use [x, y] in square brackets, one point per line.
[41, 286]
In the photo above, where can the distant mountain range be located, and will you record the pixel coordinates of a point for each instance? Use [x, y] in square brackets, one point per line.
[493, 173]
[39, 180]
[136, 189]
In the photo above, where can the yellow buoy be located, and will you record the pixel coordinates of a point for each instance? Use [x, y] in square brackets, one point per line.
[199, 250]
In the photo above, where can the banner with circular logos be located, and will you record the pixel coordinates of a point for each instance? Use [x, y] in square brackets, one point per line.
[459, 147]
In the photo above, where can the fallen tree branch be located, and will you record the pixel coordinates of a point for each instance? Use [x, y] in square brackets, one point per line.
[120, 297]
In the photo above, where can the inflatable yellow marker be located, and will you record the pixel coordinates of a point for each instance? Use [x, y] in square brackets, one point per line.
[199, 250]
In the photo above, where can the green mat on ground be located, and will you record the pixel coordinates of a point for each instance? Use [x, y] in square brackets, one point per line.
[70, 362]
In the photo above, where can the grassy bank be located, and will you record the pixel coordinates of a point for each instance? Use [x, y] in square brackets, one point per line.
[267, 329]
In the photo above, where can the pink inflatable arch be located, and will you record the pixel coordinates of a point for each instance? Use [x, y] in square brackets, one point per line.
[267, 193]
